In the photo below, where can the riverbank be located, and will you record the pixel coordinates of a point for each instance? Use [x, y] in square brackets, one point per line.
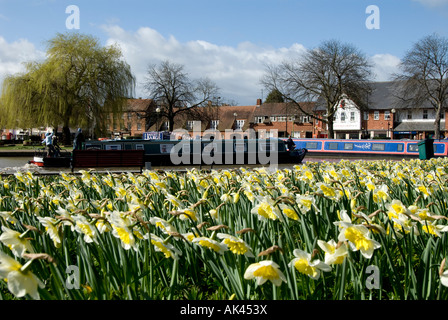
[16, 153]
[23, 151]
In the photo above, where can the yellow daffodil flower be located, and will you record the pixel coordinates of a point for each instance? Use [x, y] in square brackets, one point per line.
[334, 253]
[263, 271]
[51, 229]
[21, 281]
[83, 226]
[162, 224]
[359, 239]
[121, 230]
[15, 241]
[236, 245]
[210, 244]
[265, 209]
[167, 249]
[303, 263]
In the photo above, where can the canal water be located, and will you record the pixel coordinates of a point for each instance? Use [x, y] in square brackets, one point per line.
[13, 162]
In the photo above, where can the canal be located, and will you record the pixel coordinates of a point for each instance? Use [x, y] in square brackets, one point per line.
[13, 162]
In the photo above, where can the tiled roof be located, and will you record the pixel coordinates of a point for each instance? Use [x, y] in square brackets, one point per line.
[384, 96]
[227, 118]
[138, 104]
[281, 109]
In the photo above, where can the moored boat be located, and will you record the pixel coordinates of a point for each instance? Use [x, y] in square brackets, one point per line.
[184, 152]
[369, 148]
[208, 152]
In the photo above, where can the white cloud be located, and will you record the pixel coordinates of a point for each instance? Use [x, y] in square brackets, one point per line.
[13, 55]
[384, 66]
[236, 70]
[432, 3]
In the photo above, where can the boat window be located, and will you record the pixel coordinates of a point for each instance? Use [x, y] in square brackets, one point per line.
[113, 147]
[166, 148]
[311, 145]
[400, 147]
[348, 146]
[412, 147]
[240, 147]
[139, 147]
[186, 148]
[333, 146]
[266, 146]
[378, 147]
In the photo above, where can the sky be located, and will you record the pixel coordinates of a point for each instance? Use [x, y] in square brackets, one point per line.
[228, 41]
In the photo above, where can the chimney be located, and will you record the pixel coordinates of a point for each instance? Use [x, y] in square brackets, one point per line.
[258, 102]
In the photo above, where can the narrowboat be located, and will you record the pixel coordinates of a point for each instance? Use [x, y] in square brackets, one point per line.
[206, 152]
[189, 152]
[368, 148]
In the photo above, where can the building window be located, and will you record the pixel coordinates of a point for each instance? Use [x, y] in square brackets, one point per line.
[259, 119]
[305, 119]
[129, 116]
[352, 116]
[342, 116]
[376, 115]
[190, 125]
[425, 114]
[139, 126]
[409, 115]
[273, 119]
[386, 115]
[366, 115]
[239, 124]
[129, 126]
[281, 119]
[214, 124]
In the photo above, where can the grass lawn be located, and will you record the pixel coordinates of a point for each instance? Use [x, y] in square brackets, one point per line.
[10, 147]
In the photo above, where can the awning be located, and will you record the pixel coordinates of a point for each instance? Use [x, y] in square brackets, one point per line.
[417, 126]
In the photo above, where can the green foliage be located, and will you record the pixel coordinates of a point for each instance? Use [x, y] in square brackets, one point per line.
[78, 84]
[275, 96]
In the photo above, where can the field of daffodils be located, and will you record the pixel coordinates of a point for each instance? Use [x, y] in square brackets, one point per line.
[354, 230]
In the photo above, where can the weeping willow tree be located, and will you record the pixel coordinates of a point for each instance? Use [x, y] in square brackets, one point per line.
[78, 85]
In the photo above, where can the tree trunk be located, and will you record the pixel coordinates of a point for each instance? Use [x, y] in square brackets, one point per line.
[438, 111]
[330, 129]
[66, 137]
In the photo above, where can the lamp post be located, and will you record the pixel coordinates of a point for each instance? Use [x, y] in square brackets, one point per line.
[157, 119]
[234, 120]
[391, 117]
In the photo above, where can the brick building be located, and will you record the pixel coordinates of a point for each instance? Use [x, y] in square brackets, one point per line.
[382, 119]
